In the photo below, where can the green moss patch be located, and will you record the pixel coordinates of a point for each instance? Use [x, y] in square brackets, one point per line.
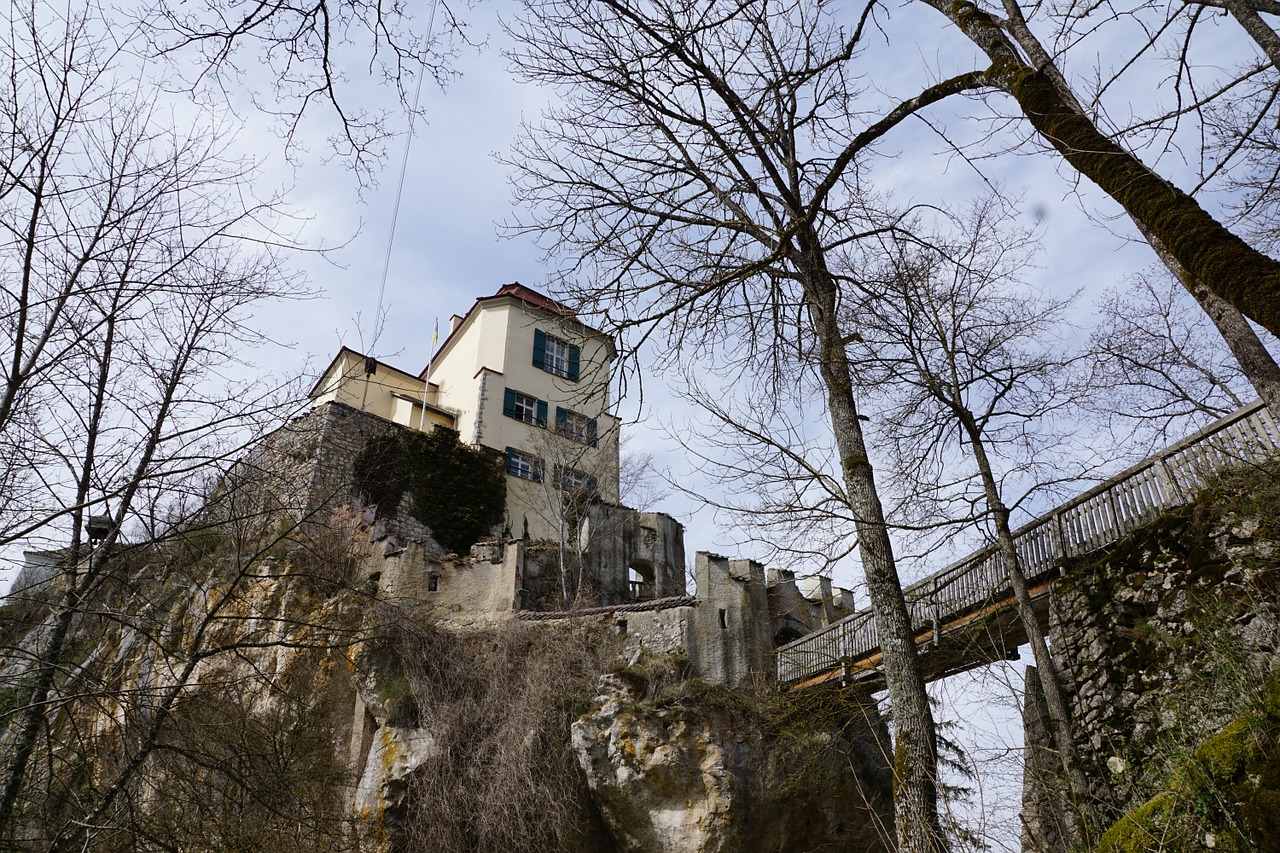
[1225, 797]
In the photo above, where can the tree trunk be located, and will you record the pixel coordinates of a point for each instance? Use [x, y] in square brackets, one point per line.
[1256, 28]
[1254, 358]
[1233, 270]
[915, 762]
[1076, 820]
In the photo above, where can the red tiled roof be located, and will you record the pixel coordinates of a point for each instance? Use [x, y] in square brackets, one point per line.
[528, 296]
[532, 297]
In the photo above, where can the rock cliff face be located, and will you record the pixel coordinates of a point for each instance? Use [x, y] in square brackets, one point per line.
[713, 780]
[291, 696]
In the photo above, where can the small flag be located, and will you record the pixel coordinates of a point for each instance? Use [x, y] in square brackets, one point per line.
[435, 333]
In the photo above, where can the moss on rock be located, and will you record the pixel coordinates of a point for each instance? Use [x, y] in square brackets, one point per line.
[1225, 797]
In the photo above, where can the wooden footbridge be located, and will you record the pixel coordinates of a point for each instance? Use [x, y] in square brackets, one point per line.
[964, 614]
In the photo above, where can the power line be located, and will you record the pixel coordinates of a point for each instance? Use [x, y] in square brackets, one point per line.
[395, 210]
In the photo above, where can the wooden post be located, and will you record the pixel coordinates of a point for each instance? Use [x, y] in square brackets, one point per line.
[1117, 521]
[1172, 491]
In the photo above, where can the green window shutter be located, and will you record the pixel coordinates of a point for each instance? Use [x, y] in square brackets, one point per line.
[537, 470]
[509, 403]
[542, 413]
[540, 349]
[510, 452]
[574, 356]
[592, 485]
[592, 436]
[562, 420]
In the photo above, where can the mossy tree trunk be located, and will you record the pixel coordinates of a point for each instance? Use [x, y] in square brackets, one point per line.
[1224, 263]
[915, 764]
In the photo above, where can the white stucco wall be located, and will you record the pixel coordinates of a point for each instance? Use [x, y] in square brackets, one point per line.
[491, 351]
[388, 393]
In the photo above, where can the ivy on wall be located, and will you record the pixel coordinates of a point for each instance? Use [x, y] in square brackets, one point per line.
[459, 492]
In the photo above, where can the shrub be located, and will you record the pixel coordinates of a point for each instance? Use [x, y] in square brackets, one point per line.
[459, 492]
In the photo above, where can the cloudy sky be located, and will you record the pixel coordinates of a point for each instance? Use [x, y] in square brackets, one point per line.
[447, 249]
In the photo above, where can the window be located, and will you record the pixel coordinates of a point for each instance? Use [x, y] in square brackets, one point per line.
[640, 578]
[524, 407]
[526, 466]
[575, 425]
[571, 480]
[555, 356]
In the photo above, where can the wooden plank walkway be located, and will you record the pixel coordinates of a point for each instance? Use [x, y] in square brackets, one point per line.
[944, 603]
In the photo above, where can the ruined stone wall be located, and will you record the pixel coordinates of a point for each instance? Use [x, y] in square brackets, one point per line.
[1159, 640]
[305, 470]
[622, 539]
[800, 606]
[731, 635]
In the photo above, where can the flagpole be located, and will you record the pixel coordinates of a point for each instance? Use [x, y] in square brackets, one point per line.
[426, 385]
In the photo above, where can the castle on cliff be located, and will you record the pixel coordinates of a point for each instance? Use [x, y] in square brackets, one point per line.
[520, 375]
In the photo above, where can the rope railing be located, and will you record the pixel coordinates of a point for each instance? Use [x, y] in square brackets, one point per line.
[1098, 517]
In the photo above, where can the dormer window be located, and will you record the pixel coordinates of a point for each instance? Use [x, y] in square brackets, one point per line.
[555, 356]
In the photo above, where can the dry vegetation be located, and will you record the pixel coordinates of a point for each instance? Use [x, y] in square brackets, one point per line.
[499, 705]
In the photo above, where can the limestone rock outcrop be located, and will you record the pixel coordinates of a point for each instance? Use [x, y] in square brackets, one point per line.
[701, 775]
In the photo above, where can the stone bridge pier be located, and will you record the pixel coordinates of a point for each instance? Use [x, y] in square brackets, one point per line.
[1161, 641]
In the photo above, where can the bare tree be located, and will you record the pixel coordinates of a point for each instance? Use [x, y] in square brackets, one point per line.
[1228, 108]
[297, 58]
[1162, 360]
[191, 683]
[968, 360]
[566, 482]
[775, 473]
[701, 162]
[130, 262]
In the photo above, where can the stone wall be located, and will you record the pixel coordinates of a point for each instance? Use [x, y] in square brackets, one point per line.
[731, 637]
[305, 470]
[1160, 639]
[622, 539]
[728, 631]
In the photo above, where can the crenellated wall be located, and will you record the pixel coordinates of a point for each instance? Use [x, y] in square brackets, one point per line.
[729, 629]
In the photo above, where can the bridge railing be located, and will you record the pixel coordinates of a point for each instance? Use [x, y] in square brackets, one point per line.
[1098, 517]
